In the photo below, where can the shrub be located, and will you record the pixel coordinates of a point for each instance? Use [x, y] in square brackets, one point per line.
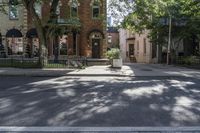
[114, 53]
[189, 60]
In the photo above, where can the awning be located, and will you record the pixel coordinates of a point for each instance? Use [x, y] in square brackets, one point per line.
[32, 33]
[14, 33]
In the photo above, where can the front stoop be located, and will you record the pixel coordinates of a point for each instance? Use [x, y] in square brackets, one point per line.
[94, 62]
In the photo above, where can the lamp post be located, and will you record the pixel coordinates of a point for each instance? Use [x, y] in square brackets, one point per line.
[169, 40]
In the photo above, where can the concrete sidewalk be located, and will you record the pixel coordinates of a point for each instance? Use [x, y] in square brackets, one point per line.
[132, 70]
[89, 71]
[160, 70]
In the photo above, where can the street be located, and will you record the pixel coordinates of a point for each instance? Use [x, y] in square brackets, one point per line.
[99, 101]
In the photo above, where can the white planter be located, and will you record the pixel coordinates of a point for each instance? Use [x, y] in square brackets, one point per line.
[117, 63]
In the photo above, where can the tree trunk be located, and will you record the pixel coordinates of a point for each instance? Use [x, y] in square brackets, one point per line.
[40, 30]
[42, 33]
[160, 54]
[56, 46]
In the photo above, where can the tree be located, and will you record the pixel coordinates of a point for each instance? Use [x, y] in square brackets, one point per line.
[44, 32]
[2, 7]
[154, 15]
[41, 26]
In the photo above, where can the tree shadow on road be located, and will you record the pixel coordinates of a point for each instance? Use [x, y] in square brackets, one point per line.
[83, 101]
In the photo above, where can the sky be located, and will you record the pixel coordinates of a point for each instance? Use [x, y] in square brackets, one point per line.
[118, 16]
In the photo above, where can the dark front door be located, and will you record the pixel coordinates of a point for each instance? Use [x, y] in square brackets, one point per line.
[131, 50]
[95, 48]
[131, 53]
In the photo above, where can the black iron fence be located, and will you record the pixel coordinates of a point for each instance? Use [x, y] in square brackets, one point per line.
[73, 62]
[20, 62]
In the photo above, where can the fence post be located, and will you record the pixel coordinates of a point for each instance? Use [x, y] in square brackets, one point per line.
[85, 61]
[68, 61]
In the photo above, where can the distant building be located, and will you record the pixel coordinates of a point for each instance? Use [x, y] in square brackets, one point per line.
[109, 21]
[112, 37]
[136, 47]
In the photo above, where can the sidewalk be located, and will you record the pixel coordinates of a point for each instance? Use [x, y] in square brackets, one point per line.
[89, 71]
[132, 70]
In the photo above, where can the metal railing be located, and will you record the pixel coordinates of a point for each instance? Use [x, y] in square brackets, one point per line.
[70, 62]
[21, 62]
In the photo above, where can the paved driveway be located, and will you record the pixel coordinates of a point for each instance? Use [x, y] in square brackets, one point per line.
[99, 101]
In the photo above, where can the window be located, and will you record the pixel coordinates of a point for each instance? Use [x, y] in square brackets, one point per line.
[38, 7]
[13, 11]
[74, 8]
[138, 45]
[58, 9]
[109, 39]
[145, 45]
[96, 9]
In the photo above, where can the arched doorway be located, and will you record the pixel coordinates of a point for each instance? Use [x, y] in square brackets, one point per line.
[14, 40]
[32, 47]
[96, 38]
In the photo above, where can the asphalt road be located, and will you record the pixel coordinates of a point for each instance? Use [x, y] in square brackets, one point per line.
[99, 101]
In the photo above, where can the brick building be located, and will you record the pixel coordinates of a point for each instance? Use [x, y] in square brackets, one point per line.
[83, 20]
[12, 29]
[113, 37]
[85, 25]
[136, 47]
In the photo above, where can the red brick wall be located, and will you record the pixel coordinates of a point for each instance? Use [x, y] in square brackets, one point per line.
[115, 40]
[88, 24]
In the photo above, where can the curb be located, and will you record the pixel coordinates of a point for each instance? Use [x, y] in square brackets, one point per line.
[60, 75]
[100, 129]
[88, 75]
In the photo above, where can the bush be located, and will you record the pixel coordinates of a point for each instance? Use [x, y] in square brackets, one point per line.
[189, 60]
[114, 53]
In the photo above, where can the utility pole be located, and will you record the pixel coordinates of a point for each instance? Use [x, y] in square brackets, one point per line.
[169, 40]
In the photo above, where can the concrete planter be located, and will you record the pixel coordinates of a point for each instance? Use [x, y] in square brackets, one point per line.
[117, 63]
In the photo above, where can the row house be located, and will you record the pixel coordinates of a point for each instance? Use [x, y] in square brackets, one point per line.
[83, 23]
[12, 29]
[136, 47]
[112, 37]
